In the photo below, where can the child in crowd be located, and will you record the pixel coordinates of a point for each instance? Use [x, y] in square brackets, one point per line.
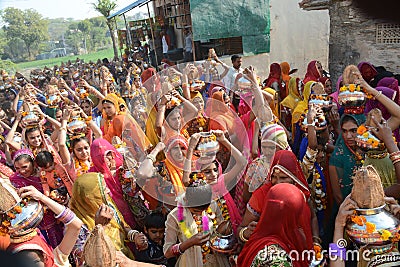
[154, 228]
[55, 180]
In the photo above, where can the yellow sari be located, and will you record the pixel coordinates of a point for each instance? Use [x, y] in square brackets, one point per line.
[88, 194]
[293, 98]
[302, 106]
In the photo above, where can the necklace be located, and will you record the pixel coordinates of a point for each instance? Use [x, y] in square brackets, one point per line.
[202, 223]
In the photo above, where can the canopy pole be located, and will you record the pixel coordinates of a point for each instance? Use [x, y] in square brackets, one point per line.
[128, 33]
[152, 34]
[116, 27]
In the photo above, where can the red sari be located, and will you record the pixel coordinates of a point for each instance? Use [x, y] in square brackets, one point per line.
[284, 161]
[312, 72]
[284, 210]
[98, 151]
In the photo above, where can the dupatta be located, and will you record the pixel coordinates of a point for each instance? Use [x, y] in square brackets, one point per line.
[312, 72]
[288, 218]
[98, 151]
[89, 193]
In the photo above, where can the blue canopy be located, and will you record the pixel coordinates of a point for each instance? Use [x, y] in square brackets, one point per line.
[131, 6]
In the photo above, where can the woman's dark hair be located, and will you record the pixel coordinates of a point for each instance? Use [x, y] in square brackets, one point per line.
[199, 196]
[25, 157]
[87, 100]
[43, 158]
[30, 130]
[347, 118]
[107, 101]
[77, 140]
[170, 111]
[154, 220]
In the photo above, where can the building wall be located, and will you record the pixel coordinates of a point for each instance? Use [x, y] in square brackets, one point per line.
[297, 36]
[353, 39]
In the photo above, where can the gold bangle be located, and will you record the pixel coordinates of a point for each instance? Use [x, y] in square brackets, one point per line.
[241, 235]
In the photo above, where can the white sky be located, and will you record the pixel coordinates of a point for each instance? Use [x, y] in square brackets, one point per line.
[77, 9]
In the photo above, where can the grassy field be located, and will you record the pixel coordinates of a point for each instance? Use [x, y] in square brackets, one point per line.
[108, 53]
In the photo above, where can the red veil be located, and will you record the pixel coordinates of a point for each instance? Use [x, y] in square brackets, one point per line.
[280, 224]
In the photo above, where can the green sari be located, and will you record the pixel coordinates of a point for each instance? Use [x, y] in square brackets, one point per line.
[345, 160]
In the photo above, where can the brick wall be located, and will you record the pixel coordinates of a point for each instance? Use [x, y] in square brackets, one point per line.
[353, 39]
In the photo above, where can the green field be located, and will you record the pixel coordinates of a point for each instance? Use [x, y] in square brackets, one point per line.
[107, 53]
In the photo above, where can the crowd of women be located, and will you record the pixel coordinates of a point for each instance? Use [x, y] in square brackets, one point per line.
[170, 162]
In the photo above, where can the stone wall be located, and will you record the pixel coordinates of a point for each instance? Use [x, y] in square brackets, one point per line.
[353, 39]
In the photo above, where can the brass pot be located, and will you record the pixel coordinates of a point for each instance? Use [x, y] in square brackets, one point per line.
[31, 119]
[352, 99]
[53, 100]
[244, 85]
[26, 221]
[76, 126]
[382, 219]
[207, 148]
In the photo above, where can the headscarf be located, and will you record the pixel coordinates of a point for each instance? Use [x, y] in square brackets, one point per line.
[257, 170]
[294, 96]
[274, 107]
[285, 67]
[98, 151]
[323, 80]
[88, 195]
[374, 72]
[282, 222]
[302, 106]
[393, 84]
[274, 133]
[217, 110]
[113, 98]
[175, 169]
[147, 74]
[286, 161]
[23, 152]
[275, 73]
[312, 72]
[36, 243]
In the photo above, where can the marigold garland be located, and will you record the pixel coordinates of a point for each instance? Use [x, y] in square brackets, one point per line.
[81, 167]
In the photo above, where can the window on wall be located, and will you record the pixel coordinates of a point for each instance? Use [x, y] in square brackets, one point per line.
[387, 33]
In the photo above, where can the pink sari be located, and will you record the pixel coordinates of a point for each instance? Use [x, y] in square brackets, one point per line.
[98, 151]
[219, 190]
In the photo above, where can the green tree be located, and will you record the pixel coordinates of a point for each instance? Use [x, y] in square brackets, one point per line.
[27, 25]
[105, 7]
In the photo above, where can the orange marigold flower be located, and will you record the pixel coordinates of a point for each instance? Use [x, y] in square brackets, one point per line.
[371, 227]
[11, 215]
[361, 129]
[6, 224]
[18, 209]
[352, 87]
[359, 220]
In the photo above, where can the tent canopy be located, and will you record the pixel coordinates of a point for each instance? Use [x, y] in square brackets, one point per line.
[127, 8]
